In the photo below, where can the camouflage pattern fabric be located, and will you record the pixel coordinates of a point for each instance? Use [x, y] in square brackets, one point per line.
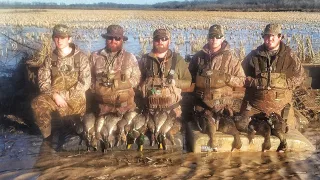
[181, 77]
[230, 75]
[272, 99]
[45, 110]
[68, 80]
[119, 67]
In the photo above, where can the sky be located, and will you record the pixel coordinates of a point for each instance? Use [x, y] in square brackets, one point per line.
[92, 1]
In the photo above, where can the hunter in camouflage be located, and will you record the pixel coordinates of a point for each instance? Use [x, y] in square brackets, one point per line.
[63, 79]
[215, 73]
[115, 72]
[273, 71]
[164, 75]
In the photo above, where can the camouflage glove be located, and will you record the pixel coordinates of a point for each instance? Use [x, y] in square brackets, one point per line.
[120, 85]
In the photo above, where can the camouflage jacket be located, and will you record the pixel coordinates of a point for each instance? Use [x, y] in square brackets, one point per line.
[64, 66]
[285, 61]
[231, 66]
[108, 63]
[284, 65]
[181, 76]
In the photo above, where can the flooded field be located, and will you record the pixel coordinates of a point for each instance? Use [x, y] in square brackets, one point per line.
[188, 28]
[26, 156]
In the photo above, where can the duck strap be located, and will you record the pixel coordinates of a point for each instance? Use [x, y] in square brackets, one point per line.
[173, 67]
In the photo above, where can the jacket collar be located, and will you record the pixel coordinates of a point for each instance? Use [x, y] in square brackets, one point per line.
[261, 50]
[74, 51]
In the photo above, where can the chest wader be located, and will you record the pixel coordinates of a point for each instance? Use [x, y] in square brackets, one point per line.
[159, 91]
[212, 91]
[272, 93]
[105, 91]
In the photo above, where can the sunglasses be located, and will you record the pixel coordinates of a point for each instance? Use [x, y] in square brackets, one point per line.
[113, 38]
[211, 36]
[162, 39]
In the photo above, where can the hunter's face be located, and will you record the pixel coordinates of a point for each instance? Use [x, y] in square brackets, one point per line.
[160, 45]
[272, 42]
[215, 42]
[114, 44]
[61, 42]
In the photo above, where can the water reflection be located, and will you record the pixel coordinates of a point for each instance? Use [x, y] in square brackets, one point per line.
[24, 156]
[27, 157]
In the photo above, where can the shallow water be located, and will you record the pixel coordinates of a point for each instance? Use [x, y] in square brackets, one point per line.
[24, 156]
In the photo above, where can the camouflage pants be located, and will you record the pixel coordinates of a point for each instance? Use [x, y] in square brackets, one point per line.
[45, 110]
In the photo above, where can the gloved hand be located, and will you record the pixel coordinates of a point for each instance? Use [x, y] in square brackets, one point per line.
[120, 85]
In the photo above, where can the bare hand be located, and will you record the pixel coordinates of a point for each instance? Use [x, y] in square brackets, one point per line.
[59, 100]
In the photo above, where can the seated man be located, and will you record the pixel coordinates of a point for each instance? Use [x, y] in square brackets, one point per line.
[164, 75]
[215, 73]
[273, 71]
[115, 72]
[63, 79]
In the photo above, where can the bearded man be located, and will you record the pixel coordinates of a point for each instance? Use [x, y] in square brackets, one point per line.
[273, 71]
[115, 72]
[164, 74]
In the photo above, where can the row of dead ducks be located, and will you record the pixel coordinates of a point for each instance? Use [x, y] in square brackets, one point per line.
[113, 130]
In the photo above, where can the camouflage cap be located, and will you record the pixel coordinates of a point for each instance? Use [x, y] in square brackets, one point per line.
[160, 33]
[61, 30]
[273, 29]
[114, 31]
[216, 30]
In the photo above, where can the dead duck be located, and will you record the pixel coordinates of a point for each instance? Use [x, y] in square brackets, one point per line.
[88, 128]
[227, 125]
[107, 131]
[165, 128]
[264, 125]
[159, 118]
[138, 130]
[123, 127]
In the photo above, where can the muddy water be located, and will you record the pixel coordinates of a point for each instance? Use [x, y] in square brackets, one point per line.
[24, 156]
